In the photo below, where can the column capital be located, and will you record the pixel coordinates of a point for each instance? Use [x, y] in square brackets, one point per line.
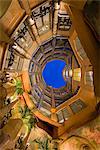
[31, 21]
[57, 6]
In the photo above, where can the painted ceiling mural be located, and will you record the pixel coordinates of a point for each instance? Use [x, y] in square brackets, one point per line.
[85, 138]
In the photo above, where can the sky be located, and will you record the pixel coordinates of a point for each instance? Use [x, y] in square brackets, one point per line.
[52, 73]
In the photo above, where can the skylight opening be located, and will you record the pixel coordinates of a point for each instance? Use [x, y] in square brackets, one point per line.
[52, 73]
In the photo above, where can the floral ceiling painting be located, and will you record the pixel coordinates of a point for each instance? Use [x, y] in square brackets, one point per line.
[84, 138]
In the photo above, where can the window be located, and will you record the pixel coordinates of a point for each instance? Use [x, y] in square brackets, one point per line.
[66, 114]
[45, 112]
[89, 78]
[79, 48]
[61, 42]
[64, 22]
[42, 17]
[63, 115]
[77, 74]
[60, 117]
[38, 92]
[48, 99]
[47, 45]
[22, 36]
[13, 60]
[77, 106]
[31, 67]
[46, 105]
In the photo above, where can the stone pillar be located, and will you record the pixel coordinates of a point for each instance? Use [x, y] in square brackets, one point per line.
[53, 100]
[35, 31]
[35, 62]
[57, 6]
[21, 50]
[53, 109]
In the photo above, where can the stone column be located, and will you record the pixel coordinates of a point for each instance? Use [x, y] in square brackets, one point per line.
[57, 6]
[21, 50]
[53, 109]
[53, 100]
[35, 31]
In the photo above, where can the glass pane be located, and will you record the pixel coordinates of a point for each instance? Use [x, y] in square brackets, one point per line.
[60, 117]
[77, 106]
[66, 114]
